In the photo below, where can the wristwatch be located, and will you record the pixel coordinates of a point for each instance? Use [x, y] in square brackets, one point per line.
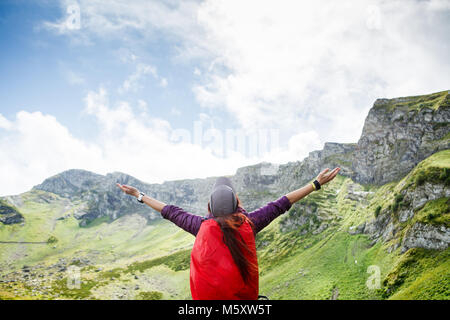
[141, 195]
[316, 185]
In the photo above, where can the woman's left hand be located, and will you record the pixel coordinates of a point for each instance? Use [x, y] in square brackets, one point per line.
[326, 175]
[132, 191]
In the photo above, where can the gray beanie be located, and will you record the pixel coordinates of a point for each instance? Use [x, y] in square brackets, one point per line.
[223, 199]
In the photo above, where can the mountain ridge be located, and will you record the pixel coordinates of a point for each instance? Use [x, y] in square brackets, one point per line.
[396, 136]
[390, 208]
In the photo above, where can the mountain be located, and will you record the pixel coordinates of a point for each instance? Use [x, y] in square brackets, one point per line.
[99, 193]
[389, 208]
[9, 214]
[398, 134]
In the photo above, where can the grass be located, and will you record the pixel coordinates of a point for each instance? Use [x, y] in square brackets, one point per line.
[95, 222]
[298, 263]
[377, 211]
[340, 159]
[435, 212]
[336, 261]
[177, 261]
[434, 169]
[84, 292]
[111, 246]
[420, 274]
[6, 208]
[120, 239]
[312, 266]
[52, 239]
[308, 266]
[151, 295]
[431, 101]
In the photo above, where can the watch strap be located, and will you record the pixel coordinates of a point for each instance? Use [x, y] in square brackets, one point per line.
[141, 195]
[316, 184]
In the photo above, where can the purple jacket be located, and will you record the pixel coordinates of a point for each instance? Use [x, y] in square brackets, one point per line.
[260, 217]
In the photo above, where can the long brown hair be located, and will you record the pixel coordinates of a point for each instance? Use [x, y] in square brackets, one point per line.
[229, 225]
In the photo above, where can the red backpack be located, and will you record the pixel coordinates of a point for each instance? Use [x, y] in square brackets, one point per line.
[214, 274]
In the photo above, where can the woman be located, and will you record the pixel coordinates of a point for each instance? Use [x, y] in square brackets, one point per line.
[224, 265]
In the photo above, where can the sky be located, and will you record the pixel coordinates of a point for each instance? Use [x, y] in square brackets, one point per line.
[166, 90]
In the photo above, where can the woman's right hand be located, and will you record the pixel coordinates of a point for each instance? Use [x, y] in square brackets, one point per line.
[325, 176]
[132, 191]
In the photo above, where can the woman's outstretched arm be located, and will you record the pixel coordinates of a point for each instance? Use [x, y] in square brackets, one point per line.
[324, 177]
[263, 216]
[152, 203]
[185, 220]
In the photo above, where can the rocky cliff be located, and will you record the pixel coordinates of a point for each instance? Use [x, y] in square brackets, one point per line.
[9, 214]
[398, 134]
[416, 215]
[389, 207]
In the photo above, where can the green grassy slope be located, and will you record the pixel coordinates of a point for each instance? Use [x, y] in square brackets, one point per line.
[334, 263]
[105, 245]
[316, 266]
[311, 252]
[432, 101]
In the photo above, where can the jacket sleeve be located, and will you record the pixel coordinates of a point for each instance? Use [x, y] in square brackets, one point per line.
[185, 220]
[262, 217]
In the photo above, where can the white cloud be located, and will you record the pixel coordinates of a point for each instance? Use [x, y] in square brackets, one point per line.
[301, 144]
[296, 65]
[317, 65]
[125, 55]
[197, 72]
[163, 83]
[115, 19]
[74, 78]
[71, 21]
[134, 82]
[308, 69]
[35, 146]
[142, 105]
[175, 112]
[4, 123]
[71, 76]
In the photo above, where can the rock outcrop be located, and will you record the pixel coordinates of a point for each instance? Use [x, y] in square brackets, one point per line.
[398, 134]
[426, 236]
[9, 214]
[99, 193]
[295, 174]
[389, 223]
